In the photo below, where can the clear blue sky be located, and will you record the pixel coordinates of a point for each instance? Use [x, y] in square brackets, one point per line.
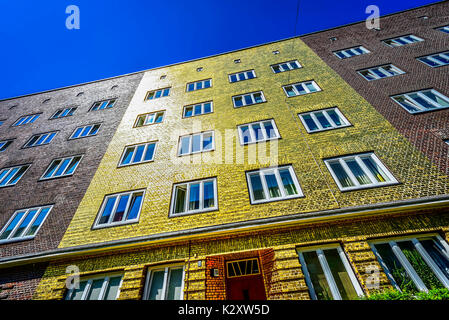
[39, 53]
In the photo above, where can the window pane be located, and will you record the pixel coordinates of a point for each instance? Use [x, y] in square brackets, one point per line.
[207, 107]
[335, 117]
[269, 129]
[185, 145]
[436, 253]
[406, 104]
[112, 289]
[258, 97]
[322, 119]
[207, 141]
[341, 174]
[78, 293]
[18, 175]
[440, 101]
[158, 94]
[180, 198]
[238, 102]
[311, 87]
[159, 117]
[196, 144]
[248, 99]
[191, 87]
[174, 285]
[24, 223]
[95, 289]
[311, 125]
[134, 207]
[119, 212]
[73, 165]
[63, 166]
[107, 210]
[37, 222]
[246, 136]
[7, 179]
[139, 153]
[319, 282]
[257, 129]
[77, 132]
[150, 152]
[194, 195]
[359, 174]
[233, 78]
[300, 89]
[377, 172]
[149, 119]
[209, 194]
[256, 186]
[287, 181]
[128, 155]
[272, 184]
[197, 109]
[188, 112]
[157, 282]
[341, 276]
[12, 225]
[52, 168]
[250, 75]
[94, 129]
[421, 101]
[166, 92]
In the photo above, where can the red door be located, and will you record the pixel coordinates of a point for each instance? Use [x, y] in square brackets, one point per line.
[244, 280]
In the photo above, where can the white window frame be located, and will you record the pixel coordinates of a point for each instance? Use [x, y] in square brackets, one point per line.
[147, 115]
[191, 143]
[431, 58]
[5, 144]
[155, 93]
[110, 103]
[402, 38]
[195, 85]
[83, 128]
[382, 70]
[352, 49]
[304, 83]
[288, 63]
[251, 94]
[271, 170]
[167, 269]
[60, 164]
[444, 29]
[345, 122]
[102, 293]
[61, 113]
[252, 134]
[202, 109]
[245, 75]
[417, 104]
[23, 120]
[9, 170]
[40, 135]
[135, 146]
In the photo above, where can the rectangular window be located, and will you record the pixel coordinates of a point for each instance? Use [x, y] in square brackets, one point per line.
[203, 84]
[40, 139]
[328, 274]
[26, 119]
[196, 143]
[417, 264]
[402, 41]
[164, 283]
[63, 113]
[24, 224]
[5, 144]
[62, 167]
[285, 66]
[248, 99]
[159, 93]
[105, 104]
[272, 184]
[444, 29]
[242, 268]
[139, 153]
[240, 76]
[321, 120]
[149, 118]
[98, 288]
[193, 197]
[436, 60]
[422, 101]
[258, 132]
[351, 52]
[359, 171]
[301, 88]
[198, 109]
[10, 176]
[120, 208]
[380, 72]
[2, 121]
[86, 131]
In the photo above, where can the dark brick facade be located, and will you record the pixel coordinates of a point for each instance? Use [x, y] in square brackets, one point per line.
[426, 131]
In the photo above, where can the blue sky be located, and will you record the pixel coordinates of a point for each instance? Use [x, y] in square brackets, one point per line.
[116, 37]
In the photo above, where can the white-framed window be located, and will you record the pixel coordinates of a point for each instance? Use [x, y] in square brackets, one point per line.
[301, 88]
[380, 72]
[285, 66]
[10, 176]
[414, 264]
[40, 139]
[149, 118]
[104, 104]
[63, 113]
[444, 29]
[402, 41]
[139, 153]
[446, 141]
[26, 119]
[85, 131]
[351, 52]
[248, 99]
[240, 76]
[5, 144]
[62, 167]
[422, 101]
[325, 119]
[197, 85]
[120, 208]
[258, 131]
[159, 93]
[436, 60]
[196, 143]
[164, 283]
[24, 224]
[194, 196]
[273, 184]
[359, 171]
[97, 288]
[198, 109]
[328, 274]
[2, 121]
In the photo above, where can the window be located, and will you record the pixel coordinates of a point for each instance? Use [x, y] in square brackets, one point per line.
[193, 197]
[203, 84]
[120, 208]
[402, 41]
[417, 264]
[422, 101]
[198, 109]
[2, 122]
[5, 144]
[138, 154]
[149, 118]
[444, 29]
[240, 76]
[63, 113]
[155, 94]
[248, 99]
[10, 176]
[62, 167]
[195, 143]
[436, 60]
[99, 288]
[446, 141]
[276, 52]
[240, 268]
[105, 104]
[26, 119]
[199, 69]
[322, 120]
[258, 131]
[40, 139]
[359, 171]
[351, 52]
[24, 224]
[328, 274]
[237, 61]
[165, 283]
[85, 131]
[380, 72]
[301, 88]
[273, 184]
[285, 66]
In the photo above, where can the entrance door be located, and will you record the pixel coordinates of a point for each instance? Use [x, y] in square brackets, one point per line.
[244, 280]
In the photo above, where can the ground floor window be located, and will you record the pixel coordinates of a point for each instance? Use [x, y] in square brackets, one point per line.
[101, 288]
[164, 283]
